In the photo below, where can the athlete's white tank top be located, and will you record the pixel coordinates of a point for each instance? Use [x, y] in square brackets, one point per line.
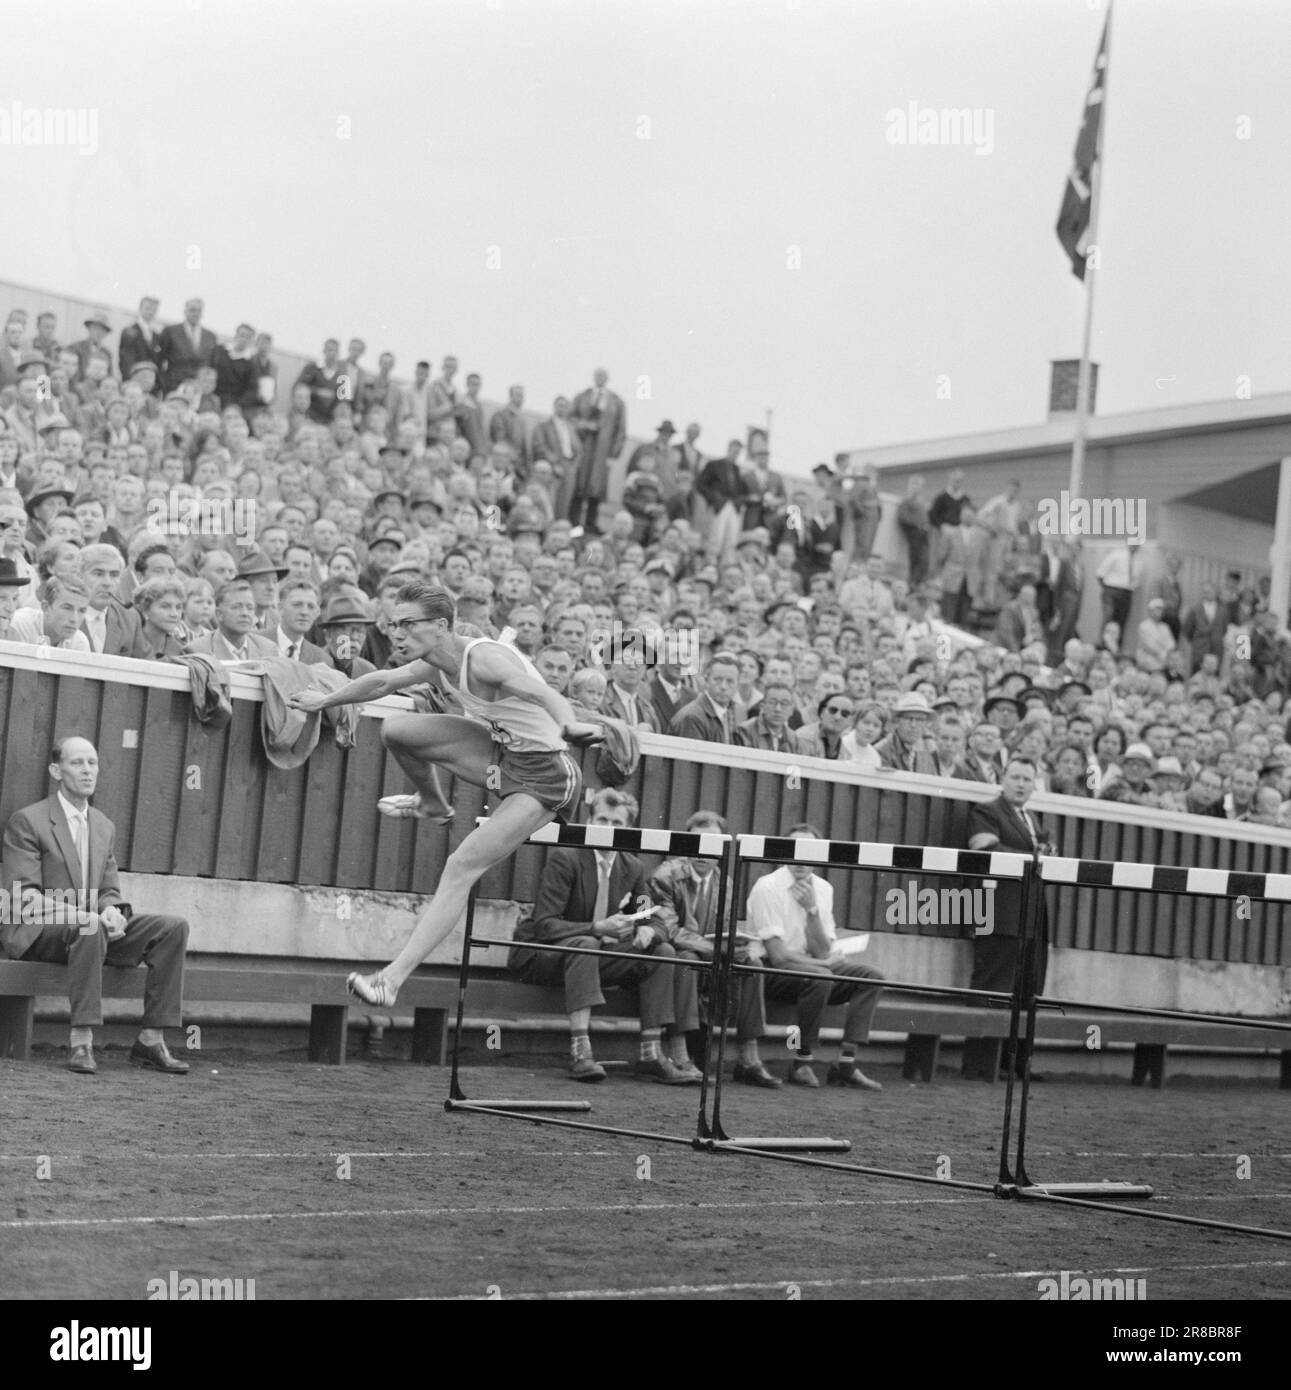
[517, 724]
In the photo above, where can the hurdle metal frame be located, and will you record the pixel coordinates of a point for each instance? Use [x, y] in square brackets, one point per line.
[1150, 878]
[850, 854]
[735, 854]
[632, 840]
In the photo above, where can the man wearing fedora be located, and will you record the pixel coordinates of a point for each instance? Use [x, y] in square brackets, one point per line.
[12, 587]
[141, 343]
[263, 576]
[13, 548]
[906, 746]
[235, 638]
[43, 505]
[345, 627]
[63, 844]
[97, 329]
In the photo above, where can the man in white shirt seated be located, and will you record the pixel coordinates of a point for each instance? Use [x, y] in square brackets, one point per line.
[234, 638]
[56, 622]
[791, 911]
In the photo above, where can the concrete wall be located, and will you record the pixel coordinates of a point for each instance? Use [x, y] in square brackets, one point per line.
[257, 919]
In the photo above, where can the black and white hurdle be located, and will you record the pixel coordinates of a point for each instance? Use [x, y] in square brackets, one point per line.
[625, 839]
[844, 854]
[1146, 878]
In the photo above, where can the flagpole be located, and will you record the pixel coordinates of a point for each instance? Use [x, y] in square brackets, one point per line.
[1075, 486]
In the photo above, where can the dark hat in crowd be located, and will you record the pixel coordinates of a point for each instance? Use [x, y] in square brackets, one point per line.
[101, 318]
[342, 609]
[425, 499]
[9, 576]
[394, 538]
[1073, 685]
[1033, 692]
[256, 562]
[44, 494]
[33, 359]
[1018, 708]
[823, 468]
[1013, 676]
[667, 428]
[390, 492]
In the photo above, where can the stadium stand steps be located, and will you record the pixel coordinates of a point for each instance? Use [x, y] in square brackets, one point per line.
[431, 994]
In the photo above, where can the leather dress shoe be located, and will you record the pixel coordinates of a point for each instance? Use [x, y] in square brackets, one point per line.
[157, 1057]
[586, 1069]
[82, 1060]
[748, 1074]
[849, 1074]
[662, 1069]
[690, 1074]
[802, 1074]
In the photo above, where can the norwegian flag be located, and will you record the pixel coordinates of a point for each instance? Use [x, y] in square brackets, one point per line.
[1077, 197]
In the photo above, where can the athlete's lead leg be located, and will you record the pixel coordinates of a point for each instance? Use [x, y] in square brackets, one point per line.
[422, 743]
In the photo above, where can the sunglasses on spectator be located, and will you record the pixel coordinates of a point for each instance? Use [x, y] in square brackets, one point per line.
[838, 709]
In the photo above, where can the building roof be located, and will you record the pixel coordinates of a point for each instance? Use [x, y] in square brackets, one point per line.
[1055, 436]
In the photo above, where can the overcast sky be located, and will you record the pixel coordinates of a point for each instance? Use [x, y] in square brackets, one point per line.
[700, 195]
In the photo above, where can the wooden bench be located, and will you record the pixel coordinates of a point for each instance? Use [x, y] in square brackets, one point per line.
[432, 996]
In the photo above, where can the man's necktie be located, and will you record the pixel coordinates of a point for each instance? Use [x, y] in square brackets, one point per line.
[82, 848]
[602, 909]
[293, 651]
[704, 906]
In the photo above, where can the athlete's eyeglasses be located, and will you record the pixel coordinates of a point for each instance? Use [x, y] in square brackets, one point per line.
[404, 624]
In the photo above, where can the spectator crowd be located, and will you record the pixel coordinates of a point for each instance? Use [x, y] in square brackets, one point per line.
[334, 490]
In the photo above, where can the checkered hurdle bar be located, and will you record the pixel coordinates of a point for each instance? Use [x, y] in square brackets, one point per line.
[1159, 878]
[637, 840]
[851, 854]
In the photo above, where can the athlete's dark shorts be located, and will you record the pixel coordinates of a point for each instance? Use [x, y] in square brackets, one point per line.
[554, 780]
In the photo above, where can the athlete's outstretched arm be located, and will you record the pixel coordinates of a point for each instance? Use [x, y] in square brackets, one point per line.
[370, 687]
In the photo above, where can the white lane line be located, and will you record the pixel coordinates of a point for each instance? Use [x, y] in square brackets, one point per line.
[782, 1285]
[133, 1155]
[1078, 1153]
[54, 1223]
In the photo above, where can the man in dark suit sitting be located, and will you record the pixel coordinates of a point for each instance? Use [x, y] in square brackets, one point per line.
[62, 849]
[586, 898]
[1006, 824]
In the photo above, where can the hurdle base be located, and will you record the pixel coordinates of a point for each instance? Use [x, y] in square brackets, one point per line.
[582, 1106]
[1110, 1191]
[786, 1144]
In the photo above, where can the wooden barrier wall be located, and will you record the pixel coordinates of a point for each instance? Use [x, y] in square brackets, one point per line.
[209, 804]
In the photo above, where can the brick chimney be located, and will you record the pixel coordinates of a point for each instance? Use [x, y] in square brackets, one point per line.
[1063, 379]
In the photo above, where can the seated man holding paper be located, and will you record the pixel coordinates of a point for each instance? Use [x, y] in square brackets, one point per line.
[597, 899]
[791, 911]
